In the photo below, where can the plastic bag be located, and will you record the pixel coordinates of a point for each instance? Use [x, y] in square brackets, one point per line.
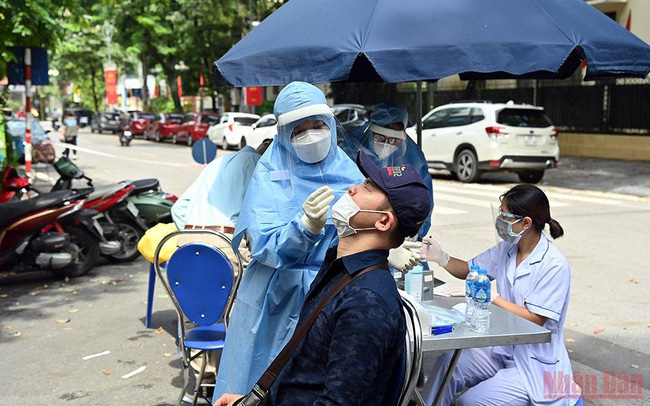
[150, 240]
[441, 316]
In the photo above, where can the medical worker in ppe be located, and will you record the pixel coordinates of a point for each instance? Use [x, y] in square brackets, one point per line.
[533, 279]
[383, 138]
[285, 216]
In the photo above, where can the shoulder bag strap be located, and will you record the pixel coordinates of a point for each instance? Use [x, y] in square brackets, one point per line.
[271, 373]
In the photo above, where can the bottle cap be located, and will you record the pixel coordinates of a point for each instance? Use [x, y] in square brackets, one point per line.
[474, 268]
[482, 271]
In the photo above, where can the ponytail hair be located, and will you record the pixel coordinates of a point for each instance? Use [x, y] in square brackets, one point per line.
[529, 201]
[556, 229]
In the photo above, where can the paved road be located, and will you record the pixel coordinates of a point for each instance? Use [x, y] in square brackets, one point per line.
[606, 242]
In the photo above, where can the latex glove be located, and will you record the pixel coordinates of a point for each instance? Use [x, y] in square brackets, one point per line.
[315, 208]
[432, 251]
[402, 258]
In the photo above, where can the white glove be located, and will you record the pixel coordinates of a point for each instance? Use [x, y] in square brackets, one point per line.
[315, 208]
[402, 258]
[432, 251]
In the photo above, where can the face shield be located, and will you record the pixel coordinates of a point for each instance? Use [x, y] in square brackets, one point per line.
[307, 151]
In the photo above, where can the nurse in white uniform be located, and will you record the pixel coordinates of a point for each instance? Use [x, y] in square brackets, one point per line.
[533, 279]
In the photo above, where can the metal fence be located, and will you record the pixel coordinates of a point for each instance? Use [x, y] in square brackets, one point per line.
[609, 107]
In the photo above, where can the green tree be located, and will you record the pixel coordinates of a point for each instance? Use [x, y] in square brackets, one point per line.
[34, 23]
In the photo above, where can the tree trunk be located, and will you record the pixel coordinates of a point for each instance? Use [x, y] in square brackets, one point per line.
[171, 81]
[145, 88]
[93, 73]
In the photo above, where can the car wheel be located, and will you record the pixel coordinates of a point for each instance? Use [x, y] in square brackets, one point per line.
[242, 142]
[224, 144]
[92, 130]
[85, 252]
[531, 176]
[174, 139]
[190, 140]
[157, 136]
[466, 165]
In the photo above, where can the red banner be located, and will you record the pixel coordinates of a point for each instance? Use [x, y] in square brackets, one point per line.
[110, 76]
[254, 96]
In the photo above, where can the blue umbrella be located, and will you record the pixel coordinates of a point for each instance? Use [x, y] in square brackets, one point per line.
[414, 40]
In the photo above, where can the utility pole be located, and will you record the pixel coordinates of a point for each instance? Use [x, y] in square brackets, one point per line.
[28, 112]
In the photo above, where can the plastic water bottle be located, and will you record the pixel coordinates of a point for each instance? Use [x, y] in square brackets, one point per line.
[481, 319]
[469, 294]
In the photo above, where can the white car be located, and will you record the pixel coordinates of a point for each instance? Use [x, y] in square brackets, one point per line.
[469, 138]
[231, 130]
[265, 127]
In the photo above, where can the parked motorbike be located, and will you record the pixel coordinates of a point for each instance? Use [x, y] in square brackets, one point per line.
[52, 232]
[130, 207]
[126, 136]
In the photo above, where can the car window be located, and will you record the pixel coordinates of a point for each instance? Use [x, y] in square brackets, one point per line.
[147, 116]
[174, 117]
[267, 122]
[188, 118]
[476, 116]
[458, 116]
[523, 118]
[436, 120]
[343, 115]
[17, 128]
[245, 120]
[210, 119]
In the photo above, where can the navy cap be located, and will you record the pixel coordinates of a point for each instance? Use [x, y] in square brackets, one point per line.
[408, 194]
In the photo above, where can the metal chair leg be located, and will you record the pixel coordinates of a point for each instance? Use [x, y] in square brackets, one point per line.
[152, 286]
[199, 379]
[186, 376]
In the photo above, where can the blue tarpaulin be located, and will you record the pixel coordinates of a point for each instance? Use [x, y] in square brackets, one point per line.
[410, 40]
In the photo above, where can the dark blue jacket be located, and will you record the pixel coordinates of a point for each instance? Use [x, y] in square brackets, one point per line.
[353, 352]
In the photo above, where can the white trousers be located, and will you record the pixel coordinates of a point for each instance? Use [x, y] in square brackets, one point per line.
[490, 380]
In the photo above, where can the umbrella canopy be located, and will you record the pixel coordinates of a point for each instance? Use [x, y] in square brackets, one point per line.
[411, 40]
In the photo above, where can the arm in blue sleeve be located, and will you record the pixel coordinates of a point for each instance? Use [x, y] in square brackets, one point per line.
[280, 246]
[423, 170]
[364, 333]
[181, 206]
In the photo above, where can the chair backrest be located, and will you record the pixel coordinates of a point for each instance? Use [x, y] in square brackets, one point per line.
[201, 279]
[413, 349]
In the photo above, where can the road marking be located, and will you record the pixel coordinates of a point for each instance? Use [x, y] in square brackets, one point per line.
[486, 193]
[446, 211]
[462, 200]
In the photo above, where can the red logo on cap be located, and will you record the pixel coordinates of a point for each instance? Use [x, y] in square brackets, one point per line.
[395, 170]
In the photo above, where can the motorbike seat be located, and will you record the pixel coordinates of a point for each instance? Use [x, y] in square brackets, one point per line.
[145, 185]
[101, 192]
[11, 211]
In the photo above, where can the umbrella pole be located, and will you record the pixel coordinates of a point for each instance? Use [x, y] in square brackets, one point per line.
[418, 113]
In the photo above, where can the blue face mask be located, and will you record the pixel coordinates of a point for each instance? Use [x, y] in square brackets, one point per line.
[504, 229]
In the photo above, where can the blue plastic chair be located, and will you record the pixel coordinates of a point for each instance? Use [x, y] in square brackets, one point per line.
[201, 283]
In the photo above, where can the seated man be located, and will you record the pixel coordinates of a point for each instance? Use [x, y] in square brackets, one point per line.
[352, 353]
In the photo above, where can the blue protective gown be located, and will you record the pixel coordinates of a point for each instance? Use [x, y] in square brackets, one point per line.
[284, 256]
[216, 196]
[361, 139]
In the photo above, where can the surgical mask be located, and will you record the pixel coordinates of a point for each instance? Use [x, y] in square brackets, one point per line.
[384, 150]
[504, 229]
[312, 145]
[343, 210]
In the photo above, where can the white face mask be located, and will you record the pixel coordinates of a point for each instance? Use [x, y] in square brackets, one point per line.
[312, 145]
[504, 229]
[343, 210]
[383, 149]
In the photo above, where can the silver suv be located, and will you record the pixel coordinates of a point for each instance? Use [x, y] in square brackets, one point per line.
[468, 138]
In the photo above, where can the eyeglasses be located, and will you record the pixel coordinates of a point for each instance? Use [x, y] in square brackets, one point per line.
[509, 215]
[317, 125]
[386, 140]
